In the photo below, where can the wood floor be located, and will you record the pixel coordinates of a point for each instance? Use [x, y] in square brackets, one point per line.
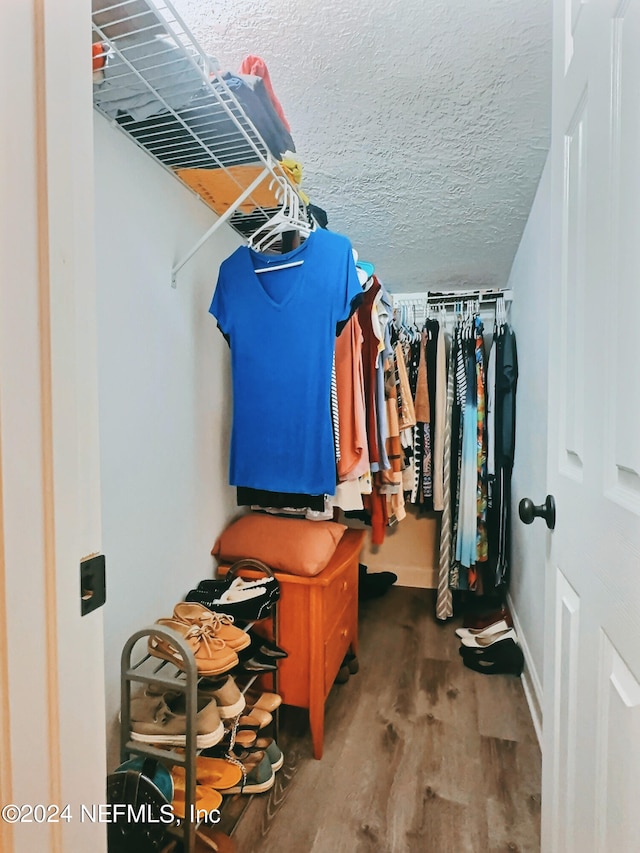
[421, 754]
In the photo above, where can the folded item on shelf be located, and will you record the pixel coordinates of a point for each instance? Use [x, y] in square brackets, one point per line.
[149, 75]
[220, 188]
[251, 92]
[258, 67]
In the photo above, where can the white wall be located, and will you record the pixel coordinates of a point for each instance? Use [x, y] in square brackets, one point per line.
[530, 279]
[164, 393]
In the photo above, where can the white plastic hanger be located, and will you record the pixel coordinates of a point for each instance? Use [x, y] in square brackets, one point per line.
[290, 217]
[280, 266]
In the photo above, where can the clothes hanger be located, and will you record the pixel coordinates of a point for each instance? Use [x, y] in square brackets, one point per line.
[399, 320]
[290, 217]
[501, 315]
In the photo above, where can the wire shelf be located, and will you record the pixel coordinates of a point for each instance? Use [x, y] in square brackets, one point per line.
[155, 83]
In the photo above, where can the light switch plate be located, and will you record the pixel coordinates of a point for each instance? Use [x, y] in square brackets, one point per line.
[93, 590]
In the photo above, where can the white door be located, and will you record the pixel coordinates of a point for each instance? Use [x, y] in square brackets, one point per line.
[52, 726]
[591, 756]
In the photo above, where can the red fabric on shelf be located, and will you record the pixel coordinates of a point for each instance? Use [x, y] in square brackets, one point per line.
[256, 66]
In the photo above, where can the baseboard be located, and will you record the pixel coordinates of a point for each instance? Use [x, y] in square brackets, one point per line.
[530, 679]
[416, 577]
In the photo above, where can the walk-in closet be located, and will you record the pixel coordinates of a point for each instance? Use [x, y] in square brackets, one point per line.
[312, 538]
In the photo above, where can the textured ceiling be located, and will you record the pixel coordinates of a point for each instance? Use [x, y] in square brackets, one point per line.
[422, 125]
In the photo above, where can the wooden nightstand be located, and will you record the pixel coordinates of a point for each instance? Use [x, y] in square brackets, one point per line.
[317, 625]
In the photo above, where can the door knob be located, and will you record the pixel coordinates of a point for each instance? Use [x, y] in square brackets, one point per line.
[527, 511]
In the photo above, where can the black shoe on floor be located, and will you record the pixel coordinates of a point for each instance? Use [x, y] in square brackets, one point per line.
[503, 657]
[374, 585]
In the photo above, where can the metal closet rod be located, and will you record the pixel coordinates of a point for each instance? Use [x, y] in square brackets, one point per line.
[451, 297]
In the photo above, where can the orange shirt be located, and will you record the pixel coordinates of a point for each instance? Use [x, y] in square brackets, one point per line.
[354, 456]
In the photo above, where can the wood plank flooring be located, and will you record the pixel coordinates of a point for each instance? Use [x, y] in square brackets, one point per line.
[421, 754]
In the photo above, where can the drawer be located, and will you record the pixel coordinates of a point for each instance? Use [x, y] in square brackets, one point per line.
[336, 646]
[341, 592]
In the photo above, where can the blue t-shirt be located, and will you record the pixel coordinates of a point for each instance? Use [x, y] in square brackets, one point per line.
[281, 326]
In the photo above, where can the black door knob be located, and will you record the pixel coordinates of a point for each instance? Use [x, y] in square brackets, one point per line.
[527, 511]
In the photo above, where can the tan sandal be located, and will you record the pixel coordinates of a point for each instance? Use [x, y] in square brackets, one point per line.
[255, 717]
[207, 799]
[215, 773]
[264, 701]
[245, 737]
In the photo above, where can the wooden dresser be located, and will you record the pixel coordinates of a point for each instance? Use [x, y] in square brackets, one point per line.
[317, 625]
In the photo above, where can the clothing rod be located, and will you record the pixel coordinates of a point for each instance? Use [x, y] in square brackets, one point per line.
[452, 296]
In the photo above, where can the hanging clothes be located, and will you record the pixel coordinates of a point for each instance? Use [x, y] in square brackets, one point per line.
[458, 456]
[369, 357]
[481, 460]
[281, 328]
[444, 598]
[354, 454]
[502, 455]
[439, 420]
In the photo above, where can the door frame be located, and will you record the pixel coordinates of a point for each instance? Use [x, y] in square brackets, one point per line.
[52, 719]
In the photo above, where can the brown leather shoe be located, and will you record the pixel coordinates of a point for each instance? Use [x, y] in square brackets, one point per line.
[483, 620]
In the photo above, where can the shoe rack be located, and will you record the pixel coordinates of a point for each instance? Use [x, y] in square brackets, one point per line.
[149, 670]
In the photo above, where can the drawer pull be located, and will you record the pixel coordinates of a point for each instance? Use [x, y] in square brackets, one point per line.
[344, 632]
[345, 586]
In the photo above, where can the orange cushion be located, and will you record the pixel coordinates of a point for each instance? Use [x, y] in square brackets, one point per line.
[294, 545]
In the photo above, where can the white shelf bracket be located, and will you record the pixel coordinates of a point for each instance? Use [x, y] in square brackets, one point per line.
[222, 219]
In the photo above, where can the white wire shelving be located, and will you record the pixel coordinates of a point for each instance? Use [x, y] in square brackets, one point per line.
[420, 305]
[154, 82]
